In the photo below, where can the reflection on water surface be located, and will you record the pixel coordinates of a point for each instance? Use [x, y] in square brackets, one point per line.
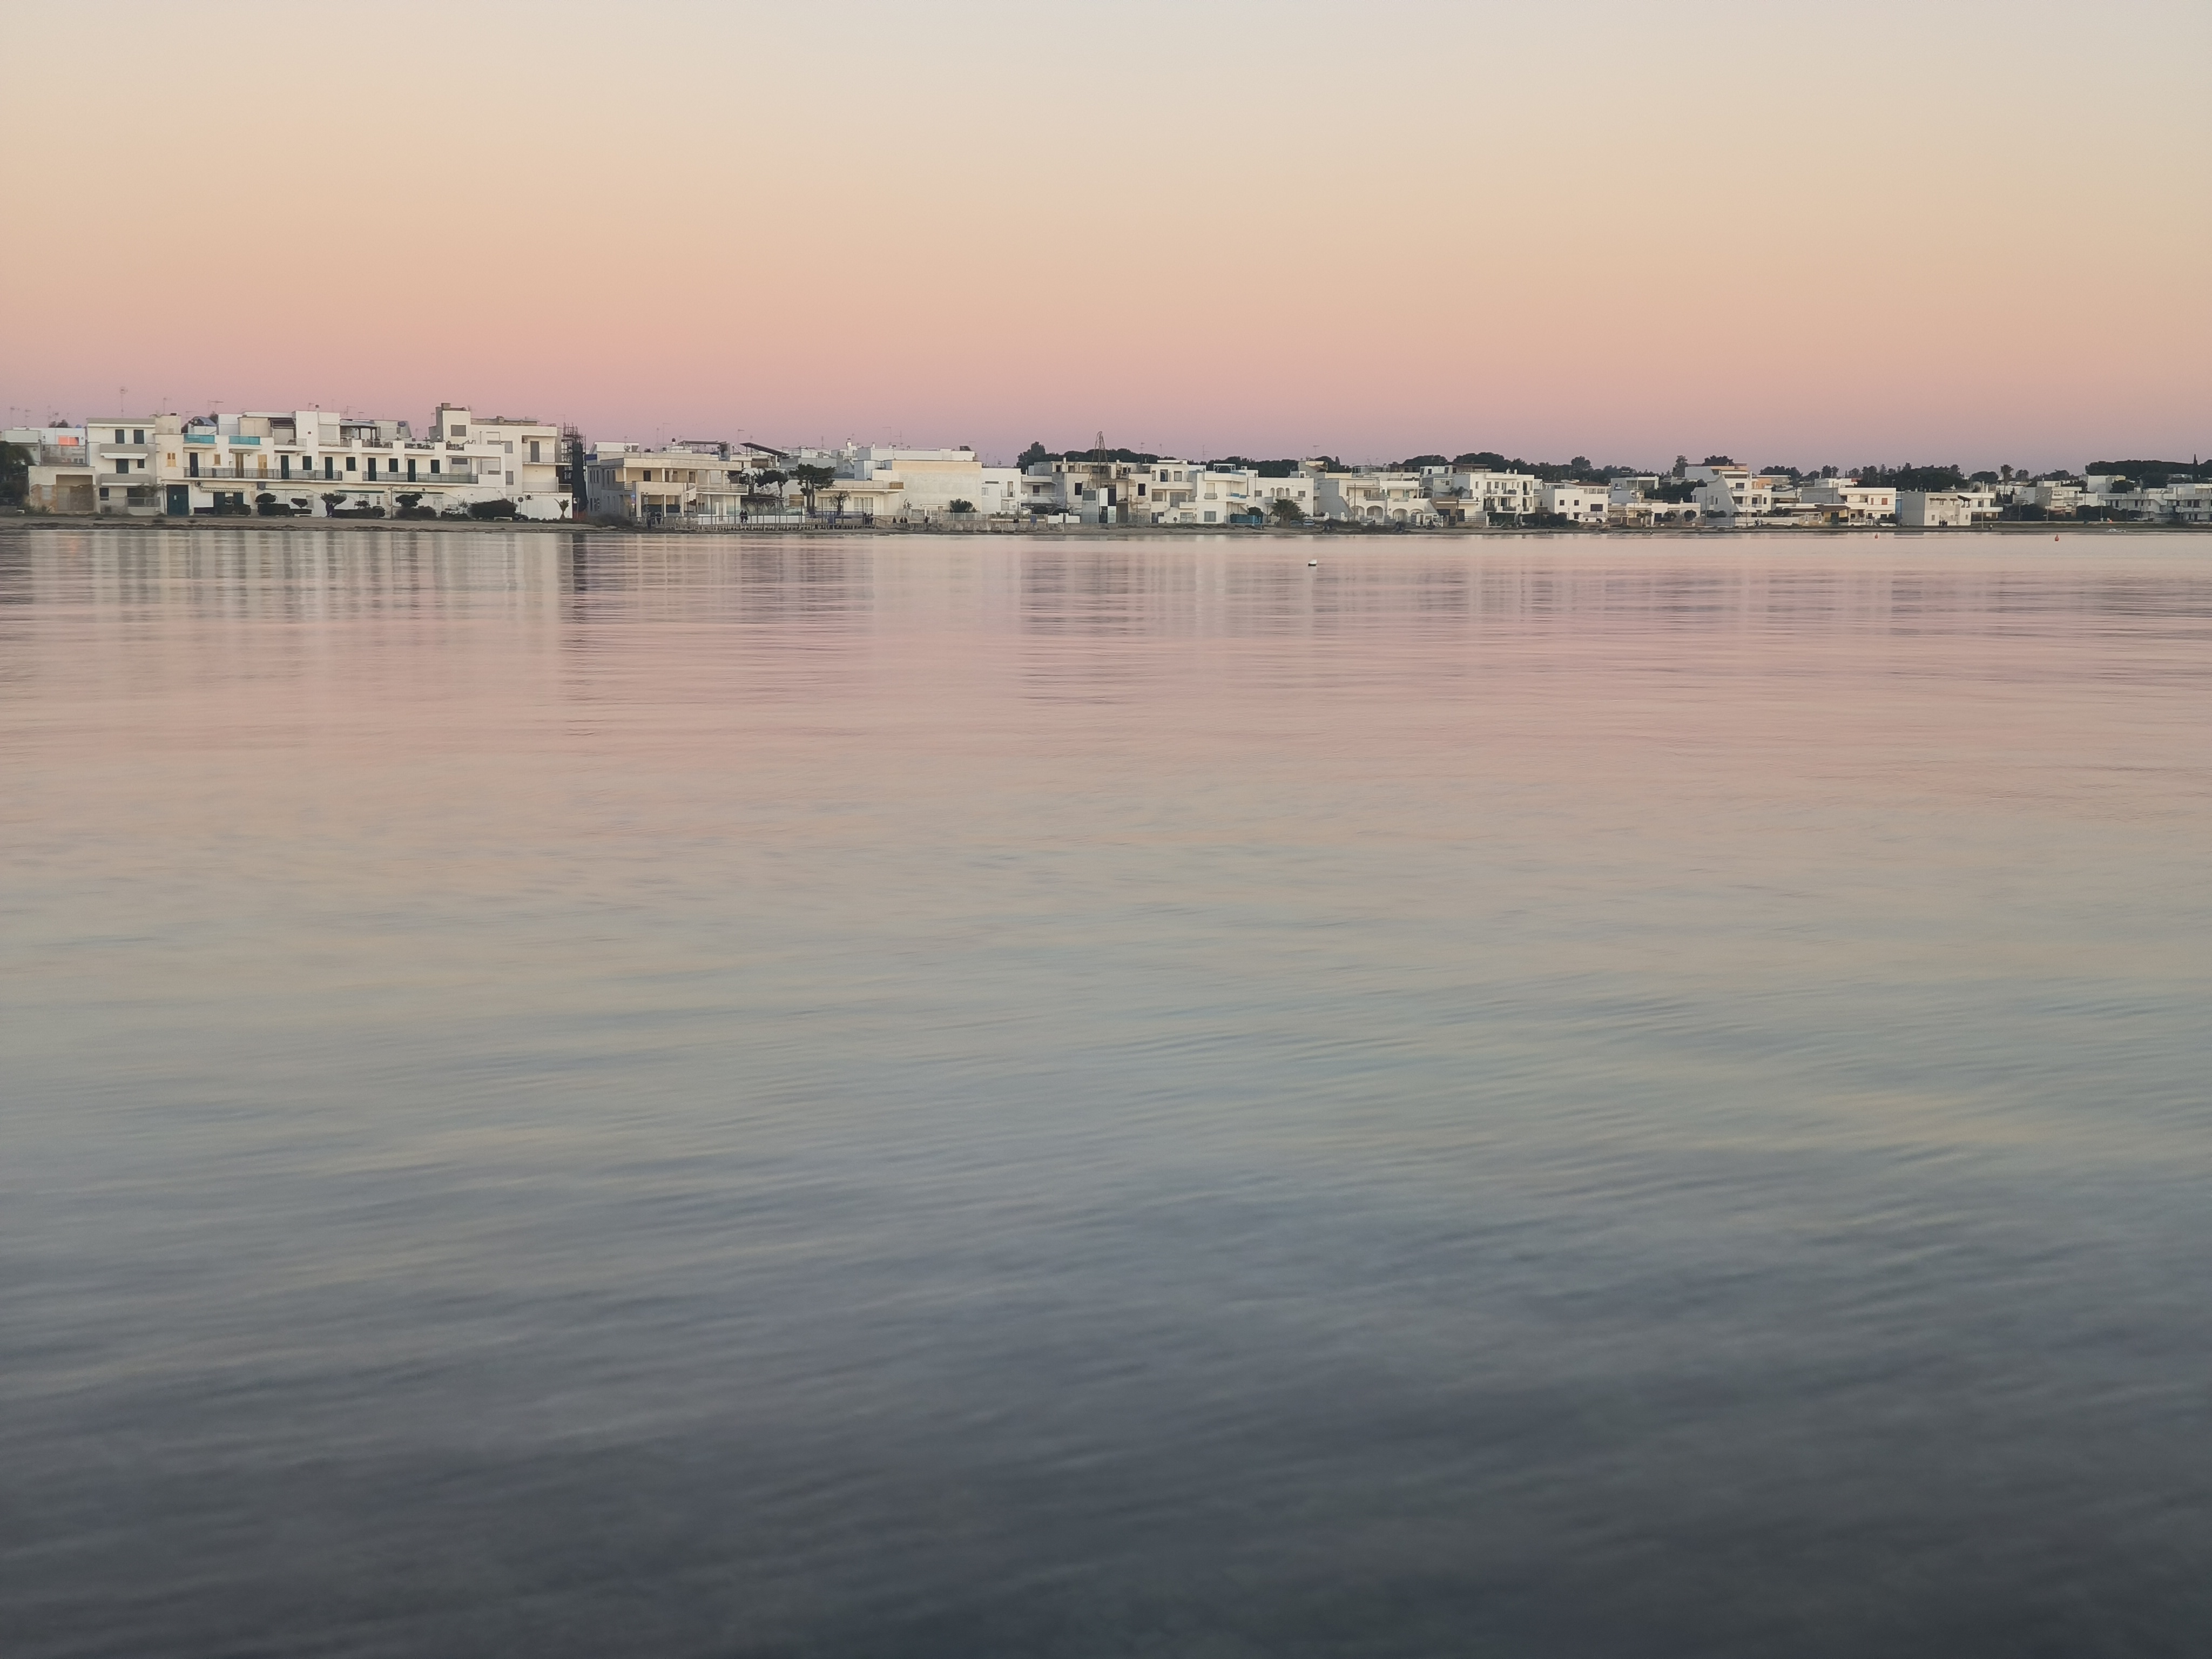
[571, 1094]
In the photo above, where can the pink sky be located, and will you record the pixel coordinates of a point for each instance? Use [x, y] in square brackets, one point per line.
[1795, 233]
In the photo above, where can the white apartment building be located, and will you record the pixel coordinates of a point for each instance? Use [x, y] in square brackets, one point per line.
[1846, 501]
[1477, 497]
[888, 483]
[1728, 491]
[2057, 497]
[1165, 490]
[58, 461]
[1297, 489]
[706, 485]
[1374, 497]
[2181, 501]
[1934, 509]
[1584, 503]
[318, 464]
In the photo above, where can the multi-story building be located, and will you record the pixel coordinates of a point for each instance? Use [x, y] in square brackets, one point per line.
[906, 482]
[2058, 498]
[699, 484]
[58, 461]
[1726, 491]
[1371, 497]
[1934, 509]
[314, 463]
[2179, 500]
[1846, 501]
[1581, 503]
[1478, 496]
[1163, 491]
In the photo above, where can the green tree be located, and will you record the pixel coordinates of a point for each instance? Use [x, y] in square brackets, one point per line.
[1032, 455]
[812, 481]
[14, 474]
[1287, 512]
[959, 506]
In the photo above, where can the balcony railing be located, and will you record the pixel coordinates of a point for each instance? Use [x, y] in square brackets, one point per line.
[336, 481]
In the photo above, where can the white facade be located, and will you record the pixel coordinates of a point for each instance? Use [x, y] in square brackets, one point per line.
[1401, 498]
[2057, 497]
[316, 464]
[1727, 492]
[1848, 500]
[1166, 490]
[910, 482]
[709, 485]
[59, 475]
[1476, 497]
[1584, 503]
[1002, 492]
[1934, 509]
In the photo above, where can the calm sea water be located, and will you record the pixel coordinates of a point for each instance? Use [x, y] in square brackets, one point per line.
[569, 1096]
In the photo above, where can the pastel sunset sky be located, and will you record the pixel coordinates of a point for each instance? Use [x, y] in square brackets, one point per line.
[1795, 232]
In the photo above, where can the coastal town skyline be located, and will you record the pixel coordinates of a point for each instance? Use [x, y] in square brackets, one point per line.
[1208, 228]
[464, 464]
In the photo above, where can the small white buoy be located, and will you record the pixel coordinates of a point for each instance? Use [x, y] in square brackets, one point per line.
[1311, 563]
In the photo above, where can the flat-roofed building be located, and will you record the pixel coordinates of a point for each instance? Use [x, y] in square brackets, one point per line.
[318, 464]
[1477, 495]
[1580, 503]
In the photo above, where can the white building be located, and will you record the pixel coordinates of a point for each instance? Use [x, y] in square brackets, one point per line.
[2057, 497]
[59, 475]
[881, 482]
[1846, 501]
[1392, 498]
[1582, 503]
[1163, 491]
[704, 485]
[318, 464]
[2179, 502]
[1934, 509]
[1476, 496]
[1727, 492]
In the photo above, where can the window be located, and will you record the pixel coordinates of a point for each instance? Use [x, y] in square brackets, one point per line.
[410, 468]
[456, 431]
[329, 464]
[353, 463]
[118, 435]
[433, 469]
[283, 466]
[121, 465]
[371, 466]
[533, 449]
[138, 435]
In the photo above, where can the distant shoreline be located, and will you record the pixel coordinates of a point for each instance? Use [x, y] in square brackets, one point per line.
[1076, 533]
